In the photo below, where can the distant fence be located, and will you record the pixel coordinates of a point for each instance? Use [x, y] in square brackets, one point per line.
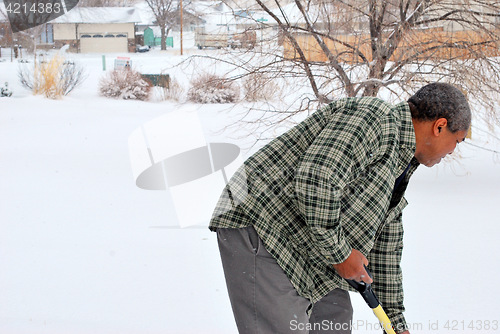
[423, 44]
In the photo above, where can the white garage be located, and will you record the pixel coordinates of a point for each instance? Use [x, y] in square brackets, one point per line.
[97, 29]
[102, 42]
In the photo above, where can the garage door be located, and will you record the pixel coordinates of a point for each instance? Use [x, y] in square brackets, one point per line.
[103, 43]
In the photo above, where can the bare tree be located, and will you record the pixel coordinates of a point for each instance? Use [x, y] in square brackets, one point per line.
[357, 48]
[5, 31]
[165, 12]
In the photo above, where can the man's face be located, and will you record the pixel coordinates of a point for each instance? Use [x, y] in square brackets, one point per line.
[438, 146]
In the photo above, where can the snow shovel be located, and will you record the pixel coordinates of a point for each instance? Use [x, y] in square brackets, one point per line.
[371, 299]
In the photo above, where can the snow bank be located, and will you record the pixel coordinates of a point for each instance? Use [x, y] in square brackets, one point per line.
[84, 250]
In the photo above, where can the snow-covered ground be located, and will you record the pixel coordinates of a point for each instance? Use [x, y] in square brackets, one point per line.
[84, 250]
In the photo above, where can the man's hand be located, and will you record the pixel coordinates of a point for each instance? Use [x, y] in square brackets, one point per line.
[405, 332]
[352, 268]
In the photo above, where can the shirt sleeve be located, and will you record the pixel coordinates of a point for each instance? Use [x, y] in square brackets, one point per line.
[320, 204]
[385, 259]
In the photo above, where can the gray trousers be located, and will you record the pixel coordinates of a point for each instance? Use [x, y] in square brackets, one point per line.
[263, 298]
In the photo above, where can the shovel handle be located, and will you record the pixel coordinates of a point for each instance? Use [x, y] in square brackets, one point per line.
[365, 289]
[384, 320]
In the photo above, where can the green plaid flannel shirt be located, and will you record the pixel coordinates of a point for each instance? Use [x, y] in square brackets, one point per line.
[327, 186]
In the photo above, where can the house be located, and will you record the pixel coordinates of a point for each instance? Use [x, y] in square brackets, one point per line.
[95, 29]
[222, 26]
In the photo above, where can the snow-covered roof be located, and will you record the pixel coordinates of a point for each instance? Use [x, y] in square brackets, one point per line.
[217, 13]
[149, 19]
[100, 15]
[146, 15]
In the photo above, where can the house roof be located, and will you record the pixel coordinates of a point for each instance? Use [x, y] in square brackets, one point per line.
[149, 19]
[217, 13]
[100, 15]
[145, 13]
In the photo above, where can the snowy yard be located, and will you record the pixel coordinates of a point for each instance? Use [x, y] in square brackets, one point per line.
[84, 250]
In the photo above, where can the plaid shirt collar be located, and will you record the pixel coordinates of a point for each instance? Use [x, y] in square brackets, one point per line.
[407, 140]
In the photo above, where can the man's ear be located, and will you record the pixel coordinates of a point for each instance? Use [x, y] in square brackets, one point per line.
[439, 126]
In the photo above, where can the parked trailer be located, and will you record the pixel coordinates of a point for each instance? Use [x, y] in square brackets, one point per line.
[210, 39]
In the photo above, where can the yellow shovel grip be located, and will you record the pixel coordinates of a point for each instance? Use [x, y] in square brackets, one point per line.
[384, 319]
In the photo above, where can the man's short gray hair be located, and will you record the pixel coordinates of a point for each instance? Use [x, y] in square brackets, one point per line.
[441, 100]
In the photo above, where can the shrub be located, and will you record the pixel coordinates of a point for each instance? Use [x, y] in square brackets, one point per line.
[53, 78]
[258, 87]
[211, 88]
[125, 84]
[174, 92]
